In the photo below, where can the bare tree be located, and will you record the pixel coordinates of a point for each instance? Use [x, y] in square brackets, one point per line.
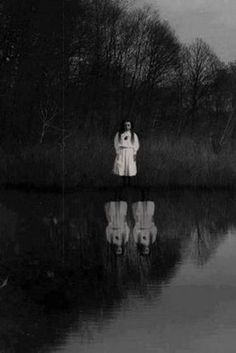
[229, 103]
[48, 111]
[200, 70]
[163, 52]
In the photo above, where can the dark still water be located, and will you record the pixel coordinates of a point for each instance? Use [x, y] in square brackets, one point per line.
[131, 271]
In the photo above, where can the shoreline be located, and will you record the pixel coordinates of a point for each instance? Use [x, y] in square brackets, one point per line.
[163, 162]
[158, 187]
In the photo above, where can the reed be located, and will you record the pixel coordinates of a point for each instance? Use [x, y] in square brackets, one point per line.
[162, 160]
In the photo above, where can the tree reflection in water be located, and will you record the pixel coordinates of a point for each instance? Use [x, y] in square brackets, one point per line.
[63, 275]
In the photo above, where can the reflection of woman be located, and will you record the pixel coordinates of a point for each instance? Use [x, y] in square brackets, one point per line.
[144, 231]
[117, 230]
[126, 144]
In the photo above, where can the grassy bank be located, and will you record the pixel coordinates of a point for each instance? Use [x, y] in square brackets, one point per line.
[88, 161]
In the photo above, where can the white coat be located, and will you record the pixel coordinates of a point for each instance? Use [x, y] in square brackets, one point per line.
[125, 162]
[117, 230]
[145, 231]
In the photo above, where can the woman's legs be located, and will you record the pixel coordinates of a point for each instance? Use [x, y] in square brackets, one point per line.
[126, 180]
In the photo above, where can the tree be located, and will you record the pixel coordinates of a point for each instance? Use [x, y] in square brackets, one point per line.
[200, 68]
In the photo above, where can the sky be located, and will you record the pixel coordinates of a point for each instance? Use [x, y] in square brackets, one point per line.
[212, 20]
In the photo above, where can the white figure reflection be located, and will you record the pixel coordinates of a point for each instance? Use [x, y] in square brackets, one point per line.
[145, 231]
[117, 230]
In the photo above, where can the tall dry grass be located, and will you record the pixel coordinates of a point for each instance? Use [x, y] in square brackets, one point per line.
[88, 161]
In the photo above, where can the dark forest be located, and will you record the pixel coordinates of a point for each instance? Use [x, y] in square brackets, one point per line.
[71, 72]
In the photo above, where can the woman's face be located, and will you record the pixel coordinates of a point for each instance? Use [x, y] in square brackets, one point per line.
[127, 125]
[119, 250]
[146, 250]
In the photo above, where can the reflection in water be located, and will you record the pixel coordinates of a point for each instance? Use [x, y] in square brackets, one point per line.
[205, 239]
[145, 231]
[117, 230]
[65, 291]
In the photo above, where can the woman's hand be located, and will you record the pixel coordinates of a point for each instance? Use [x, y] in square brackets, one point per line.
[118, 157]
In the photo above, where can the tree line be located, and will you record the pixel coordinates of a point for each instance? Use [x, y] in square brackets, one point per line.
[82, 65]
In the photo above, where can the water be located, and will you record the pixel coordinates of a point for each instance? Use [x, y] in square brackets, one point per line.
[64, 289]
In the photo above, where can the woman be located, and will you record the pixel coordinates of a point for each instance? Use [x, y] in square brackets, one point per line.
[126, 145]
[117, 230]
[145, 230]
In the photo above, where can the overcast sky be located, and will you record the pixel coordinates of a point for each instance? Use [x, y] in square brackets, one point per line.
[212, 20]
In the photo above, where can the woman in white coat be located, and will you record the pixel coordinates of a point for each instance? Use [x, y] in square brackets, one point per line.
[145, 230]
[126, 145]
[117, 230]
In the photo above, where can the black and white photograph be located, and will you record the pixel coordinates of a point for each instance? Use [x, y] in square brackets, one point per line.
[117, 176]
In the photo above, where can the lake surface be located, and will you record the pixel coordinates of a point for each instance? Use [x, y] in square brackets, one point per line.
[64, 288]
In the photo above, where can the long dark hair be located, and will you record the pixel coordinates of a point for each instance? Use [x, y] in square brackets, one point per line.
[140, 248]
[122, 129]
